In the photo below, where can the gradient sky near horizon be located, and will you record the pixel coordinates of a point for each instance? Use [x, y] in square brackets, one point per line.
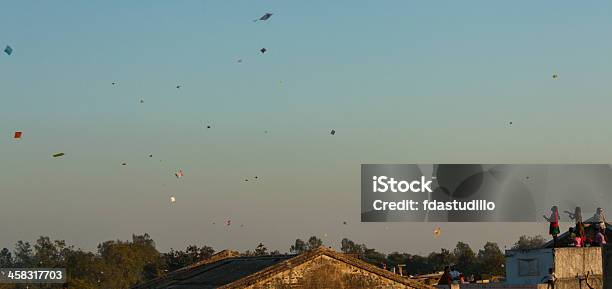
[399, 81]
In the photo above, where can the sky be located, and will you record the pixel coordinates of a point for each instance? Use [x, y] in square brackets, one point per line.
[399, 82]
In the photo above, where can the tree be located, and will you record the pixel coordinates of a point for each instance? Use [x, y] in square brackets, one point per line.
[526, 243]
[349, 247]
[366, 254]
[418, 265]
[174, 260]
[49, 253]
[492, 259]
[465, 258]
[127, 263]
[261, 250]
[437, 261]
[86, 269]
[299, 247]
[397, 258]
[24, 256]
[372, 256]
[6, 258]
[313, 243]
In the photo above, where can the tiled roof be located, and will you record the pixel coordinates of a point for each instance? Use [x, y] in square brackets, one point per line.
[238, 272]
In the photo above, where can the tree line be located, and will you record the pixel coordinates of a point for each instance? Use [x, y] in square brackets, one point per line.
[120, 264]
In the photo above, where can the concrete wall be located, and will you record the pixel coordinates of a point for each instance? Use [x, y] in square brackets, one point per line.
[326, 272]
[544, 261]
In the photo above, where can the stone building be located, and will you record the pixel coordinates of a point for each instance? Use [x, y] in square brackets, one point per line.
[321, 268]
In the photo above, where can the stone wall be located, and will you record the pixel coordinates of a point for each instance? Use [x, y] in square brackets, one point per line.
[573, 264]
[570, 262]
[325, 272]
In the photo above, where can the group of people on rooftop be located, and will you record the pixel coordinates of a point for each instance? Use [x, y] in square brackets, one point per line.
[452, 276]
[577, 235]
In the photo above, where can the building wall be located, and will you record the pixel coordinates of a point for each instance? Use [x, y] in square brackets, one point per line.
[325, 272]
[542, 257]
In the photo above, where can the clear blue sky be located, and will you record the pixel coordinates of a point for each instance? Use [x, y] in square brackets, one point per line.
[400, 82]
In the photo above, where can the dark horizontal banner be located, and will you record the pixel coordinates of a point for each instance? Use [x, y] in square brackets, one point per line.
[482, 192]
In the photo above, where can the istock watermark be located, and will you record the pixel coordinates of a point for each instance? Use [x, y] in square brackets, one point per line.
[480, 192]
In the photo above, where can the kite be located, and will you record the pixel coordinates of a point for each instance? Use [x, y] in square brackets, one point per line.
[57, 155]
[332, 132]
[18, 135]
[437, 232]
[179, 174]
[264, 17]
[344, 223]
[150, 156]
[510, 123]
[208, 126]
[256, 177]
[113, 83]
[141, 101]
[263, 50]
[178, 86]
[555, 76]
[123, 164]
[172, 199]
[8, 50]
[246, 180]
[239, 60]
[228, 222]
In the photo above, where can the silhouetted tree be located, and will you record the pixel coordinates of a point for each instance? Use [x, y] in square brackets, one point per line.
[6, 258]
[491, 259]
[525, 243]
[24, 256]
[465, 258]
[314, 242]
[299, 247]
[438, 261]
[261, 250]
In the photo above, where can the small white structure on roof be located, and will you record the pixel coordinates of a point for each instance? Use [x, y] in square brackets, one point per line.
[528, 266]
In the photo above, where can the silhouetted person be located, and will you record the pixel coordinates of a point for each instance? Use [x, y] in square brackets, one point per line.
[446, 278]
